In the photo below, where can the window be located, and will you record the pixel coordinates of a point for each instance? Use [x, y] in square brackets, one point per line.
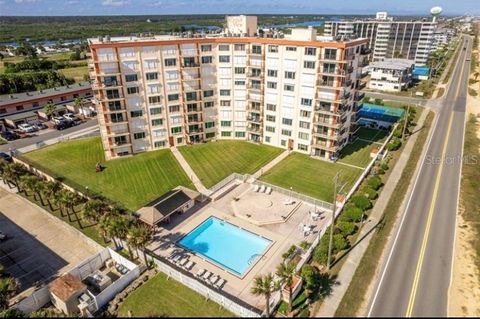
[136, 113]
[239, 70]
[283, 142]
[226, 134]
[114, 105]
[209, 124]
[239, 47]
[272, 73]
[223, 47]
[302, 147]
[270, 118]
[291, 48]
[305, 113]
[310, 51]
[289, 87]
[273, 48]
[133, 90]
[138, 136]
[120, 140]
[287, 132]
[208, 93]
[309, 64]
[271, 107]
[268, 139]
[174, 108]
[131, 78]
[239, 82]
[256, 49]
[206, 47]
[289, 75]
[303, 136]
[239, 134]
[270, 129]
[224, 58]
[157, 122]
[156, 110]
[225, 103]
[330, 54]
[173, 97]
[286, 121]
[272, 85]
[116, 117]
[3, 110]
[224, 92]
[170, 62]
[303, 124]
[152, 75]
[158, 144]
[256, 72]
[19, 107]
[206, 59]
[225, 123]
[191, 96]
[306, 102]
[208, 104]
[176, 130]
[154, 99]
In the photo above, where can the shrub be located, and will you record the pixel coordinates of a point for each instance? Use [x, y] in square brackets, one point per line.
[352, 214]
[384, 166]
[346, 228]
[311, 277]
[379, 101]
[394, 144]
[370, 193]
[375, 182]
[339, 242]
[361, 202]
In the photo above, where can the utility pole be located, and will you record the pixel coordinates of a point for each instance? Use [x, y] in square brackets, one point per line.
[405, 122]
[336, 189]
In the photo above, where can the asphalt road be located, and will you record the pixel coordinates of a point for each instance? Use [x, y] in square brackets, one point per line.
[406, 99]
[415, 278]
[43, 136]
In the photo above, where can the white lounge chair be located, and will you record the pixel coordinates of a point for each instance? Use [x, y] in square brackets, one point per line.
[289, 202]
[262, 189]
[268, 190]
[176, 258]
[200, 272]
[206, 275]
[220, 283]
[188, 265]
[256, 188]
[213, 279]
[183, 262]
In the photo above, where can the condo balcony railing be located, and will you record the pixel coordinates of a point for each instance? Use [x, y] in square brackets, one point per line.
[191, 65]
[324, 146]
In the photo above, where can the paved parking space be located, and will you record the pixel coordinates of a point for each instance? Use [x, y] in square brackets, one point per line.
[38, 247]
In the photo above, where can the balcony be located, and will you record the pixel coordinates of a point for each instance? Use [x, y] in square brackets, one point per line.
[320, 134]
[254, 119]
[365, 51]
[191, 65]
[331, 148]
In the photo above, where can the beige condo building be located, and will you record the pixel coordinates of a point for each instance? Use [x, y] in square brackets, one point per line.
[296, 91]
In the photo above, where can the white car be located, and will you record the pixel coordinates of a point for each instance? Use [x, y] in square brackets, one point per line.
[57, 119]
[72, 118]
[26, 128]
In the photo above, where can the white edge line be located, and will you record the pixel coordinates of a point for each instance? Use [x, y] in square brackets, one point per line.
[403, 217]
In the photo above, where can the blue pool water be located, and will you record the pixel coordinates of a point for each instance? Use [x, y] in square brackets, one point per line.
[227, 245]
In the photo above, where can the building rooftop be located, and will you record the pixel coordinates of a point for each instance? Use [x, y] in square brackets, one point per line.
[66, 286]
[27, 96]
[393, 64]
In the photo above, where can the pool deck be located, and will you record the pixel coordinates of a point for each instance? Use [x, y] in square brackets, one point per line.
[282, 233]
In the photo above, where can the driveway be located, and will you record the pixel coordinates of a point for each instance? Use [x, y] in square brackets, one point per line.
[38, 246]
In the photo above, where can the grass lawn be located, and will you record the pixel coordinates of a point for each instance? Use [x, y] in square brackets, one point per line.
[371, 134]
[160, 297]
[310, 176]
[214, 161]
[131, 181]
[76, 73]
[357, 153]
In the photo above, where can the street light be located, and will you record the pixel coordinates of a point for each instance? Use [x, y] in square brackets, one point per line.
[337, 188]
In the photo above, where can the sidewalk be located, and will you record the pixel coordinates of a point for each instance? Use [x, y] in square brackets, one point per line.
[271, 164]
[189, 171]
[331, 303]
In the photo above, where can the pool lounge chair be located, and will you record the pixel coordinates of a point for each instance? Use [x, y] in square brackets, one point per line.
[188, 265]
[289, 202]
[200, 272]
[256, 188]
[268, 191]
[175, 259]
[213, 280]
[206, 275]
[262, 189]
[219, 284]
[183, 262]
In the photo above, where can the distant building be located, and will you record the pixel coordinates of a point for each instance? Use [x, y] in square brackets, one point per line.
[391, 75]
[389, 38]
[442, 37]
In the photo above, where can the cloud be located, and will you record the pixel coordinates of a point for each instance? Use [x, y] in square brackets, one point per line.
[115, 3]
[72, 2]
[26, 1]
[155, 4]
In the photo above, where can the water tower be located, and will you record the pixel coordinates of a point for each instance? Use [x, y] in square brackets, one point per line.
[435, 12]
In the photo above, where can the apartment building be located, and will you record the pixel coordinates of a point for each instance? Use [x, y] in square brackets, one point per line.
[296, 92]
[389, 38]
[391, 75]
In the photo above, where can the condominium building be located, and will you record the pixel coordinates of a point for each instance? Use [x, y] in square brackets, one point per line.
[391, 75]
[296, 92]
[389, 38]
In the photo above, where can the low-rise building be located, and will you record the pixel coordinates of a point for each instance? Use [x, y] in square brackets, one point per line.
[391, 75]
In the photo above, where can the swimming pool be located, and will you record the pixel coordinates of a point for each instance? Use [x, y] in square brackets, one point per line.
[226, 245]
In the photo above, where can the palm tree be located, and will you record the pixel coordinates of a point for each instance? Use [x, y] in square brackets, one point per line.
[138, 238]
[78, 103]
[264, 286]
[49, 190]
[38, 190]
[118, 229]
[286, 272]
[27, 183]
[12, 173]
[8, 287]
[72, 200]
[49, 109]
[93, 210]
[103, 227]
[60, 200]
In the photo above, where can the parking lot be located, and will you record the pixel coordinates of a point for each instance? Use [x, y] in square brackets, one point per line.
[37, 247]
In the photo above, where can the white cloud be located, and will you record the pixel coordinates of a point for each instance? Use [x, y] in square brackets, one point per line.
[115, 3]
[26, 1]
[155, 4]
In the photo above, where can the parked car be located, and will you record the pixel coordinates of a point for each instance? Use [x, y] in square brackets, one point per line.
[57, 119]
[26, 128]
[6, 157]
[73, 118]
[63, 125]
[9, 135]
[39, 125]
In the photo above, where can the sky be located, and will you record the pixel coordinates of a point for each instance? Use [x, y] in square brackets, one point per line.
[154, 7]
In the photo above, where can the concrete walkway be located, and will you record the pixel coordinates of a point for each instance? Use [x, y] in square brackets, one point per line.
[331, 303]
[189, 171]
[271, 164]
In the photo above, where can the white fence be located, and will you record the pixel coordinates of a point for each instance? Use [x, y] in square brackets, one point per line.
[226, 181]
[192, 283]
[35, 301]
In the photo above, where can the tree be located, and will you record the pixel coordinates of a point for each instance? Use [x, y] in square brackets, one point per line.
[138, 238]
[346, 228]
[12, 173]
[93, 210]
[49, 190]
[78, 102]
[48, 109]
[311, 278]
[286, 272]
[118, 229]
[339, 242]
[361, 202]
[8, 287]
[72, 199]
[103, 227]
[60, 199]
[264, 286]
[476, 74]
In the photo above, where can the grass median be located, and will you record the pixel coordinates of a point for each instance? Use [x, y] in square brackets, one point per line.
[364, 274]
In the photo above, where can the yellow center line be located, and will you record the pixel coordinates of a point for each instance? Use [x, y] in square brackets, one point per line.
[418, 270]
